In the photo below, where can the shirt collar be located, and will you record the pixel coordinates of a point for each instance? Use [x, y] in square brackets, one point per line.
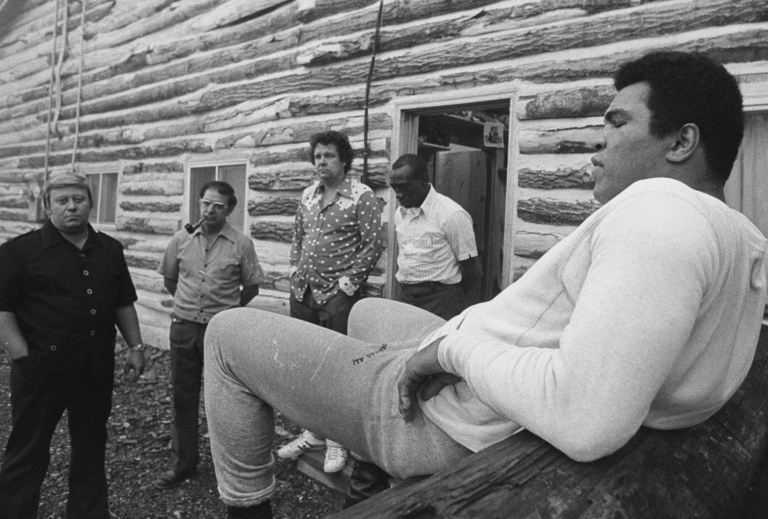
[345, 188]
[227, 232]
[52, 236]
[425, 207]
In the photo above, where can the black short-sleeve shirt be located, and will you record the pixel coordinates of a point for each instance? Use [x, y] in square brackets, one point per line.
[64, 297]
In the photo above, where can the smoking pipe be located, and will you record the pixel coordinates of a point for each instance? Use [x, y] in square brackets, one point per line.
[192, 228]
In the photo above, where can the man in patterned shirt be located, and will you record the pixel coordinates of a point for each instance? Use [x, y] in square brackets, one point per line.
[437, 264]
[336, 243]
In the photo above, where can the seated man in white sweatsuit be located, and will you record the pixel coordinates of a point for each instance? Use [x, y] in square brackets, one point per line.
[647, 314]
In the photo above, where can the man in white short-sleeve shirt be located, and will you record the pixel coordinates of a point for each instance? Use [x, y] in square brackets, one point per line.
[437, 262]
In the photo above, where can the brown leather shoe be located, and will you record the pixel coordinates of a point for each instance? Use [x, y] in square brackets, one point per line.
[171, 479]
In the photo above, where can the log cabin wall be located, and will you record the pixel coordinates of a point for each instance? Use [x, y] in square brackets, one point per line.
[166, 84]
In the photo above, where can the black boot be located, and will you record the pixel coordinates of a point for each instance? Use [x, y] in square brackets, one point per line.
[367, 480]
[261, 511]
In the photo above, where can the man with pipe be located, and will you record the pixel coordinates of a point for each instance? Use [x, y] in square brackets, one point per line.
[208, 268]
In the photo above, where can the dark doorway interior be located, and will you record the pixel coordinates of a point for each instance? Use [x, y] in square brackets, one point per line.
[467, 162]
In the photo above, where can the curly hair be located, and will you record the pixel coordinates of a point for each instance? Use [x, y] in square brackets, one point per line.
[691, 88]
[339, 140]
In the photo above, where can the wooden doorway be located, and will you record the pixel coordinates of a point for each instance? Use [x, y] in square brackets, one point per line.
[451, 134]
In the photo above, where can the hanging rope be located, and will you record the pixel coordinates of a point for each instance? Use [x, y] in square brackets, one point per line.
[59, 65]
[79, 83]
[364, 177]
[50, 89]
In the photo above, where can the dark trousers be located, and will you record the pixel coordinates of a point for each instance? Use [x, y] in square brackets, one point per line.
[445, 301]
[38, 401]
[186, 378]
[334, 314]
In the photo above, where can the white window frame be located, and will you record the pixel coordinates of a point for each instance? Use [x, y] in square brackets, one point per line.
[218, 162]
[104, 169]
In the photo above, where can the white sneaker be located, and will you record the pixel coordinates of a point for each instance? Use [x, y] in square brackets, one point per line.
[305, 442]
[335, 459]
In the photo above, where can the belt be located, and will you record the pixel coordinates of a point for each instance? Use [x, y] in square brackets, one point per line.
[426, 284]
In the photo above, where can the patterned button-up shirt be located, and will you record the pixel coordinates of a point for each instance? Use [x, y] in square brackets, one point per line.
[344, 238]
[209, 276]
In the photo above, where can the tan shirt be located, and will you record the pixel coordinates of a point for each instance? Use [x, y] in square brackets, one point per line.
[209, 277]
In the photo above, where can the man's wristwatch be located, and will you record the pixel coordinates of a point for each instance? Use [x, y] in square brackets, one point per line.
[139, 347]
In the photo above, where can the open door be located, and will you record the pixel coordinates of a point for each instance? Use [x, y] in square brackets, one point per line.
[465, 138]
[464, 168]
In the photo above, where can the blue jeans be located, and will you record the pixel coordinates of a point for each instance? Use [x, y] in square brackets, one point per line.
[342, 387]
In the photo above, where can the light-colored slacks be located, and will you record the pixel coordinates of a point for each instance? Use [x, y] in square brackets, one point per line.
[342, 387]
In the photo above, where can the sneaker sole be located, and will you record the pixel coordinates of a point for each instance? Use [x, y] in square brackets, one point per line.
[299, 454]
[334, 470]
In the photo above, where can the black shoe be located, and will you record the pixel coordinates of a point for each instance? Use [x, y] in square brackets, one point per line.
[367, 480]
[261, 511]
[171, 479]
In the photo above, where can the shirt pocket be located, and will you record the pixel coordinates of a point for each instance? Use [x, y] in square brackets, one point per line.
[227, 268]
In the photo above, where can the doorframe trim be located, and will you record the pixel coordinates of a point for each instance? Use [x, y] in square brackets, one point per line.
[405, 116]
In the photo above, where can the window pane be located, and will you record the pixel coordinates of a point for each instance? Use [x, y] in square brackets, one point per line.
[93, 183]
[235, 176]
[197, 179]
[108, 198]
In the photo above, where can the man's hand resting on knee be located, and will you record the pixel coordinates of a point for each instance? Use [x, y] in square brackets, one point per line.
[422, 371]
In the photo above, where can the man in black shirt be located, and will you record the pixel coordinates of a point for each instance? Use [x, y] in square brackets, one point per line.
[63, 288]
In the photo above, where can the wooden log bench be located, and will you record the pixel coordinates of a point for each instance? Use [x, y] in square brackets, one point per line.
[704, 471]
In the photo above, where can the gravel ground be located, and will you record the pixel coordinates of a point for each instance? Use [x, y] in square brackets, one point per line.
[138, 449]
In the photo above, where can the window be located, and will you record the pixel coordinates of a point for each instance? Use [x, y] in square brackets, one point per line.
[104, 190]
[234, 175]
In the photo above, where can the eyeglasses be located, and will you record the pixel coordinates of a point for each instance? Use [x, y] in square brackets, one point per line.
[217, 206]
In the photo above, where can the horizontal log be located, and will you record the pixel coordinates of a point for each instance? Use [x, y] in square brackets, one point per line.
[647, 20]
[311, 10]
[152, 188]
[18, 14]
[288, 176]
[561, 178]
[147, 225]
[297, 131]
[400, 12]
[14, 203]
[11, 214]
[137, 21]
[8, 176]
[156, 150]
[141, 262]
[557, 212]
[273, 231]
[555, 171]
[153, 167]
[152, 207]
[580, 102]
[232, 12]
[561, 140]
[273, 205]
